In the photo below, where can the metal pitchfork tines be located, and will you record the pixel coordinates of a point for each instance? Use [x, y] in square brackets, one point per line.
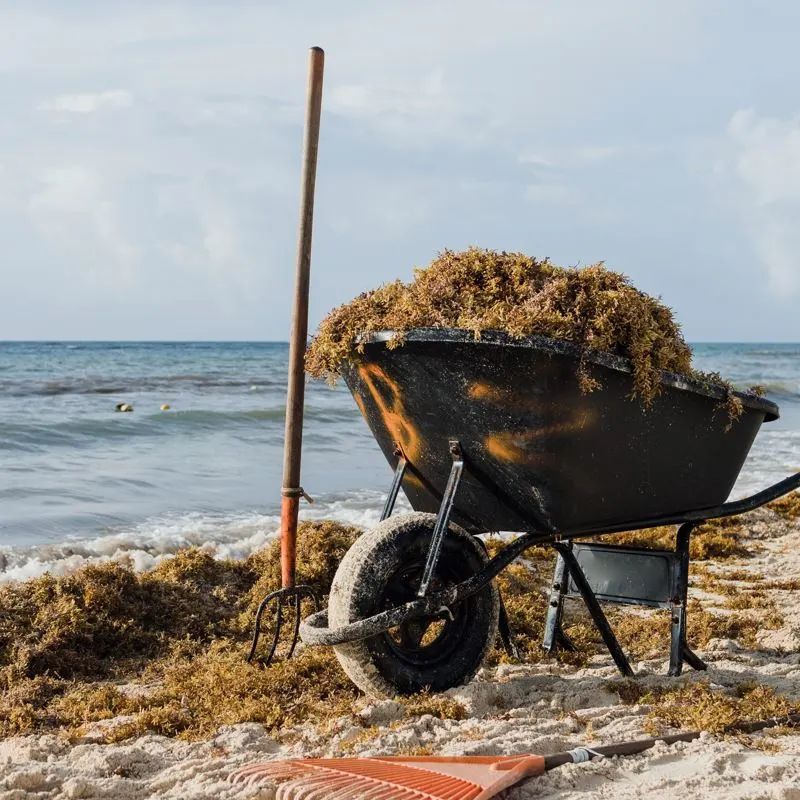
[293, 434]
[296, 595]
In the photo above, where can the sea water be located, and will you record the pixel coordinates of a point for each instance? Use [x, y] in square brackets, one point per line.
[80, 482]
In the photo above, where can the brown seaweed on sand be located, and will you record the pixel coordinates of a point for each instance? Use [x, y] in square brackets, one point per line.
[166, 648]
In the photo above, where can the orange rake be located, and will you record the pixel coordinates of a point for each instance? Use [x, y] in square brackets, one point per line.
[394, 777]
[440, 777]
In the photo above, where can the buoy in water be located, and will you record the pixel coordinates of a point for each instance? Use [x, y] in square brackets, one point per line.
[124, 407]
[165, 406]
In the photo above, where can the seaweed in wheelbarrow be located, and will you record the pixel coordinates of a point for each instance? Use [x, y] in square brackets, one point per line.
[485, 290]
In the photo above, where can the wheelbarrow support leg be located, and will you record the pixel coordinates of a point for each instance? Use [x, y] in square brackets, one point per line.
[507, 638]
[599, 618]
[443, 517]
[503, 624]
[554, 636]
[679, 650]
[397, 482]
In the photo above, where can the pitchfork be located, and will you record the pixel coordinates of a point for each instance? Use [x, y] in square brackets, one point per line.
[291, 491]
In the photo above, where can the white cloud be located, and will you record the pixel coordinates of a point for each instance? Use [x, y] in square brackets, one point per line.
[170, 151]
[420, 72]
[415, 113]
[569, 158]
[559, 194]
[205, 236]
[763, 167]
[73, 208]
[561, 175]
[365, 100]
[89, 102]
[537, 160]
[594, 154]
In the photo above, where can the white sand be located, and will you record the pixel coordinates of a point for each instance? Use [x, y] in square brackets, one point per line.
[543, 708]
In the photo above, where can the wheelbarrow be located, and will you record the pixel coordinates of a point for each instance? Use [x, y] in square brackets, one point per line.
[494, 434]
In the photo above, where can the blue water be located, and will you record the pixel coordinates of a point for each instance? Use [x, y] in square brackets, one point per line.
[80, 482]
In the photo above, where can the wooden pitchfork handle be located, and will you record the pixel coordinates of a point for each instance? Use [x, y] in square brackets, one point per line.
[295, 395]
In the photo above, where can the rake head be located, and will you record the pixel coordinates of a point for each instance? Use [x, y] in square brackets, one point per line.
[393, 777]
[291, 596]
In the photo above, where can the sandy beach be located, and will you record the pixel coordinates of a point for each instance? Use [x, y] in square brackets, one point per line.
[509, 709]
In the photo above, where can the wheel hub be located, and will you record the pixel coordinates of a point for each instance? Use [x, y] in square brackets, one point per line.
[423, 639]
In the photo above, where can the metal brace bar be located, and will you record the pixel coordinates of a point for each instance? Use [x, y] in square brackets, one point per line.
[679, 650]
[599, 618]
[443, 517]
[509, 645]
[554, 636]
[397, 482]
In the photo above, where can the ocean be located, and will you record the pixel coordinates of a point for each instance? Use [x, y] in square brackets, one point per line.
[80, 483]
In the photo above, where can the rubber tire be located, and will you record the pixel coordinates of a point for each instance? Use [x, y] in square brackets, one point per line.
[357, 592]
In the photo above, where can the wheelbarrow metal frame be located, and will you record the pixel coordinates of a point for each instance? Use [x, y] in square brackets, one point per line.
[314, 630]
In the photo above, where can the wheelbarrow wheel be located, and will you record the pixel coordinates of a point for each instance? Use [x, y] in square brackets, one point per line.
[383, 570]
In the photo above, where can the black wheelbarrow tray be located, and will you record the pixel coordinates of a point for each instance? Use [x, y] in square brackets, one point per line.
[495, 434]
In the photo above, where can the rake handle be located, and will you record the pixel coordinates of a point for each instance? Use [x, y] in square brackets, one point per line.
[639, 746]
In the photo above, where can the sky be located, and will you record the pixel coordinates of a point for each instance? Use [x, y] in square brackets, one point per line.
[150, 156]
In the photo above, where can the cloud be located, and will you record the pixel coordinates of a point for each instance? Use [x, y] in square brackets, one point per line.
[151, 151]
[561, 175]
[414, 113]
[74, 210]
[763, 169]
[89, 102]
[594, 154]
[553, 193]
[364, 100]
[570, 158]
[537, 160]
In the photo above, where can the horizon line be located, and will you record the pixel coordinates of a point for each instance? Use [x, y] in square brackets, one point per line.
[286, 341]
